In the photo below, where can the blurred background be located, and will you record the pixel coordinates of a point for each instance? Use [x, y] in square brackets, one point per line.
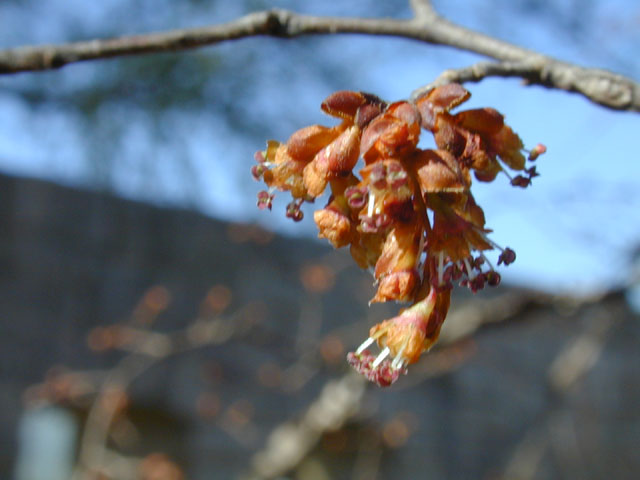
[156, 325]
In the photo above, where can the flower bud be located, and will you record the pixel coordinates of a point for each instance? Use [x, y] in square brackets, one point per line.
[438, 171]
[345, 103]
[303, 145]
[336, 159]
[399, 286]
[394, 133]
[334, 226]
[440, 99]
[366, 113]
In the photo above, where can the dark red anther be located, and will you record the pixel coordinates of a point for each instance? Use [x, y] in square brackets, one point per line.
[382, 375]
[378, 176]
[259, 156]
[293, 211]
[477, 282]
[493, 278]
[265, 200]
[396, 176]
[478, 262]
[257, 171]
[520, 181]
[532, 172]
[356, 197]
[507, 257]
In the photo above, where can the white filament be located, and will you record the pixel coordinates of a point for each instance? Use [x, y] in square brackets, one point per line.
[364, 345]
[383, 354]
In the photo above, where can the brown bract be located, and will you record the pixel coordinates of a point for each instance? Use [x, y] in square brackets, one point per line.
[439, 171]
[412, 332]
[346, 103]
[392, 134]
[458, 225]
[398, 285]
[396, 268]
[437, 317]
[335, 160]
[286, 172]
[439, 100]
[477, 137]
[303, 145]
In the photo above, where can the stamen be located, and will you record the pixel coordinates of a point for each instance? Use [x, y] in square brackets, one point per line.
[372, 199]
[398, 362]
[380, 358]
[484, 257]
[470, 273]
[489, 241]
[399, 358]
[441, 268]
[487, 260]
[507, 174]
[372, 271]
[364, 345]
[503, 169]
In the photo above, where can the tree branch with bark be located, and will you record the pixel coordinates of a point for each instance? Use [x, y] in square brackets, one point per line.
[600, 86]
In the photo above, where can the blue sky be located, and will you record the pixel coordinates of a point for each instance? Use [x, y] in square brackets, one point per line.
[572, 231]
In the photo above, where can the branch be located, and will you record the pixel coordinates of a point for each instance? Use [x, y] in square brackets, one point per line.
[146, 348]
[600, 86]
[291, 441]
[574, 361]
[426, 26]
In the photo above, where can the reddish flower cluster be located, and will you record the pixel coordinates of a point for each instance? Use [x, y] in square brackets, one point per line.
[410, 215]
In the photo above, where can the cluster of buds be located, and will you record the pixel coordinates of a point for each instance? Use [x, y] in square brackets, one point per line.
[409, 215]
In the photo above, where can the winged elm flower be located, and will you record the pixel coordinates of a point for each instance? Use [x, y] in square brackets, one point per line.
[406, 213]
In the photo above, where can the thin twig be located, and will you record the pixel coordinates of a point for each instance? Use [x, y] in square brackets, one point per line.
[600, 86]
[422, 9]
[147, 349]
[573, 363]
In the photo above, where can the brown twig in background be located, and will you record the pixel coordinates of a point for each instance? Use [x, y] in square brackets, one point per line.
[600, 86]
[574, 361]
[291, 441]
[147, 349]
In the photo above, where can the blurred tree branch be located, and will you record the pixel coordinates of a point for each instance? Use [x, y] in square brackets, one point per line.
[339, 402]
[146, 348]
[600, 86]
[569, 367]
